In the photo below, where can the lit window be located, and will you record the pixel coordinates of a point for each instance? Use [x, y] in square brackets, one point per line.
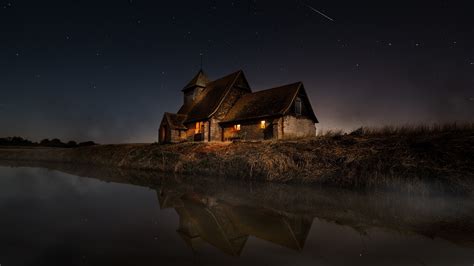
[237, 127]
[262, 124]
[298, 106]
[198, 128]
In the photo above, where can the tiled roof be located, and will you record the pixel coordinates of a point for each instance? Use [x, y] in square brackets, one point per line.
[200, 80]
[264, 103]
[211, 99]
[175, 121]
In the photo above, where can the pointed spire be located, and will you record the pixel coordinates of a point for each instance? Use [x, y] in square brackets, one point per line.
[201, 54]
[200, 80]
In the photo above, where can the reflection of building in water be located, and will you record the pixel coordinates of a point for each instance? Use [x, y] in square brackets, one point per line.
[228, 227]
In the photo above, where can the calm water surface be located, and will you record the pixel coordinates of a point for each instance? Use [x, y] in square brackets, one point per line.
[76, 216]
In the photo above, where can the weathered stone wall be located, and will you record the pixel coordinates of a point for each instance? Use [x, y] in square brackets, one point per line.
[277, 128]
[177, 136]
[216, 130]
[229, 133]
[190, 132]
[295, 127]
[167, 135]
[252, 131]
[206, 131]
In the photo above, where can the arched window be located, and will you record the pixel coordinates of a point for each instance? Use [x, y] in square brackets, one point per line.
[298, 106]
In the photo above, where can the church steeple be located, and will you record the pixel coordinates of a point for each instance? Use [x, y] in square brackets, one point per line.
[195, 87]
[200, 80]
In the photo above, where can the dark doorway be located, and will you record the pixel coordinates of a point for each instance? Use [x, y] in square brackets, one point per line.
[268, 131]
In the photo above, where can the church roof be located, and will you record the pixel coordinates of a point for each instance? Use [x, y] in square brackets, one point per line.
[175, 121]
[265, 103]
[262, 104]
[200, 80]
[211, 99]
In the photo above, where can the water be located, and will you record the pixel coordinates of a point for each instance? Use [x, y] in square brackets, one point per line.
[71, 215]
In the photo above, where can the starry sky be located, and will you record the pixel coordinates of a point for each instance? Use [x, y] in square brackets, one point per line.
[107, 70]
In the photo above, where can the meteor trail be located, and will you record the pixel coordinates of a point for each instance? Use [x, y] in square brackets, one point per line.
[317, 11]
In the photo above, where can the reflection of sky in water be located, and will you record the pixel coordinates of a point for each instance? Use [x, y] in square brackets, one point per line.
[48, 217]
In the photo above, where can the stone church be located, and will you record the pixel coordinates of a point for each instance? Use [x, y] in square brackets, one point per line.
[226, 109]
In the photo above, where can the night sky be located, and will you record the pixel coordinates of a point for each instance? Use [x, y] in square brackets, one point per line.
[107, 70]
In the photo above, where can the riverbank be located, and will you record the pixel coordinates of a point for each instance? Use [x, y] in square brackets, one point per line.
[366, 158]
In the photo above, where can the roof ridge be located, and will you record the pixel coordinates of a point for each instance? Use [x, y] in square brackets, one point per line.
[199, 80]
[237, 74]
[279, 87]
[226, 76]
[284, 110]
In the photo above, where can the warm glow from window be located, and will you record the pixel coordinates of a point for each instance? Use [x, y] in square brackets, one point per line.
[197, 130]
[262, 124]
[237, 127]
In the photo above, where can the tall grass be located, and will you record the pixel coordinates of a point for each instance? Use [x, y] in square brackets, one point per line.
[367, 157]
[414, 129]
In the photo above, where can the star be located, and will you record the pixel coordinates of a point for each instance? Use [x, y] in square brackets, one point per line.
[17, 54]
[389, 44]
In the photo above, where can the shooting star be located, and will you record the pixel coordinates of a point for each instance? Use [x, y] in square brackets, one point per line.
[317, 11]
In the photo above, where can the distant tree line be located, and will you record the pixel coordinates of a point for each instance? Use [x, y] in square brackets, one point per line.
[19, 141]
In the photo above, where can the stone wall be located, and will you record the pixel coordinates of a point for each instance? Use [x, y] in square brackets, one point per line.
[252, 130]
[167, 135]
[177, 135]
[211, 126]
[216, 130]
[295, 127]
[206, 131]
[190, 132]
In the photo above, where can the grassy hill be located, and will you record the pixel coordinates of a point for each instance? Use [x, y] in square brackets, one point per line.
[442, 155]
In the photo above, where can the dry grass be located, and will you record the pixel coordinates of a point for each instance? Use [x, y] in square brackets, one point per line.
[414, 129]
[441, 155]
